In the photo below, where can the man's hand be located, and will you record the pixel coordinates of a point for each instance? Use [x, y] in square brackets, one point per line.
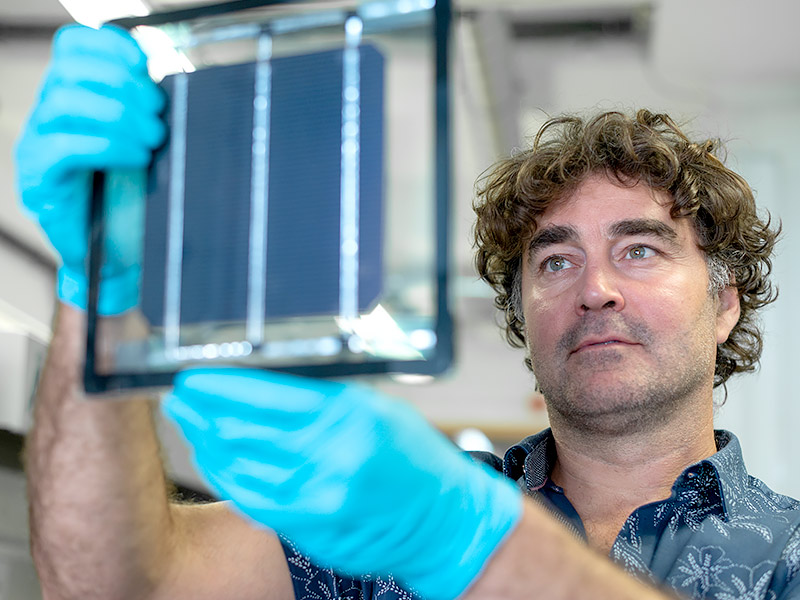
[358, 481]
[97, 109]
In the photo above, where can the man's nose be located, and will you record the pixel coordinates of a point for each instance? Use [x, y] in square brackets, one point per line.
[598, 288]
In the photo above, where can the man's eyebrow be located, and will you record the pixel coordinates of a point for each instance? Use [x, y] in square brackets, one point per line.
[558, 234]
[550, 235]
[648, 227]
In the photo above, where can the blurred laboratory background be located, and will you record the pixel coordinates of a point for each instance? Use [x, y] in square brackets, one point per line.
[724, 68]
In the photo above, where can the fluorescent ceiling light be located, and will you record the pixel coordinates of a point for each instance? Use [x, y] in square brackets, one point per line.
[94, 13]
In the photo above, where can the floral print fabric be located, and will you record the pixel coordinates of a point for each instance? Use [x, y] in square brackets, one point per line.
[722, 534]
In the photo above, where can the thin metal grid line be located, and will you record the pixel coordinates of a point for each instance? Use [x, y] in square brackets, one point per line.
[350, 180]
[176, 201]
[259, 194]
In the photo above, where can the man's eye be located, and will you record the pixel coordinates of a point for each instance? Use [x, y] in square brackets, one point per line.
[555, 263]
[639, 252]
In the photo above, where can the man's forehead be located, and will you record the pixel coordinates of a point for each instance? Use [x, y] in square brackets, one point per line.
[602, 209]
[600, 202]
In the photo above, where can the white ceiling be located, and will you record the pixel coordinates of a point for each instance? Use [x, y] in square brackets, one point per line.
[32, 12]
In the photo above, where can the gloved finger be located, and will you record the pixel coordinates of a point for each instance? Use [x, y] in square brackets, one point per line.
[217, 485]
[222, 479]
[340, 435]
[260, 471]
[67, 231]
[318, 483]
[256, 465]
[197, 430]
[218, 454]
[264, 390]
[234, 421]
[273, 430]
[91, 152]
[281, 508]
[119, 292]
[259, 448]
[307, 498]
[47, 160]
[105, 77]
[289, 438]
[175, 409]
[79, 111]
[124, 210]
[80, 41]
[253, 503]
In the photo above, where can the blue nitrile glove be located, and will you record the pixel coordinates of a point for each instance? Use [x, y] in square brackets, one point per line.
[97, 109]
[358, 481]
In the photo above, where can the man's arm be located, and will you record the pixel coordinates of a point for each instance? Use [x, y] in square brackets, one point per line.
[101, 523]
[540, 559]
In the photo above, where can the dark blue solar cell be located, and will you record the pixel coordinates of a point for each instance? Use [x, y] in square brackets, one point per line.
[304, 191]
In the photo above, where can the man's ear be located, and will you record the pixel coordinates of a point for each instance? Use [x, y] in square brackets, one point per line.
[727, 312]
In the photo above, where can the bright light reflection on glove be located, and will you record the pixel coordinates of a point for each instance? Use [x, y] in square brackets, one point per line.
[358, 481]
[97, 109]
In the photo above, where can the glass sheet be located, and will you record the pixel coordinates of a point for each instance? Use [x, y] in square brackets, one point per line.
[292, 218]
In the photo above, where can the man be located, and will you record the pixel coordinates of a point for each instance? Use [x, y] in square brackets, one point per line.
[629, 262]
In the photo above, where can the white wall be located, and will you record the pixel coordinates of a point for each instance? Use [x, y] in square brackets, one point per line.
[26, 284]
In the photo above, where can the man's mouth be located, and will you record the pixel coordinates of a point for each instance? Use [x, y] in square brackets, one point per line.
[597, 344]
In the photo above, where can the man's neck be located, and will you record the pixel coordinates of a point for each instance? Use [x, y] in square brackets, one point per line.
[608, 477]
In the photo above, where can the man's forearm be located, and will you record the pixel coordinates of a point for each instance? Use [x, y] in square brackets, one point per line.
[540, 559]
[100, 519]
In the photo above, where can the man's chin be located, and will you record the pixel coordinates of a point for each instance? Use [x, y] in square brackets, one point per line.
[610, 407]
[603, 388]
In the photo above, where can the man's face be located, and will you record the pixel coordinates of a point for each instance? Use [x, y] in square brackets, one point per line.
[620, 326]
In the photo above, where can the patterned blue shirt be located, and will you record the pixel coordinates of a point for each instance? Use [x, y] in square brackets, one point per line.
[721, 534]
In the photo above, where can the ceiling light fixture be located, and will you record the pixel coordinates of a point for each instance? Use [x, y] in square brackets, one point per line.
[94, 13]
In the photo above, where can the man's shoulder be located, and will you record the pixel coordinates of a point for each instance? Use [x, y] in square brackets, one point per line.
[745, 495]
[771, 499]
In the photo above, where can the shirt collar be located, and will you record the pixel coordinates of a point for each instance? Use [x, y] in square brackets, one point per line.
[717, 477]
[533, 458]
[730, 471]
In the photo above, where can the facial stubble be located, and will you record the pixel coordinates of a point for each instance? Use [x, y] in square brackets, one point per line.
[611, 391]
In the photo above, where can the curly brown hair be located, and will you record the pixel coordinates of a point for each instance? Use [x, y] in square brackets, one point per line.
[648, 148]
